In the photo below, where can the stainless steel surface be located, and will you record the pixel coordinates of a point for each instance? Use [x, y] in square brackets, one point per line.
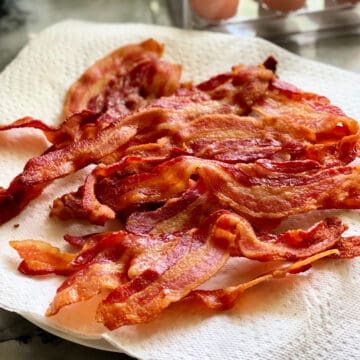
[324, 30]
[254, 18]
[20, 19]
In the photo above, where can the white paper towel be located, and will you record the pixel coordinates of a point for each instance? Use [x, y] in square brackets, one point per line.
[310, 316]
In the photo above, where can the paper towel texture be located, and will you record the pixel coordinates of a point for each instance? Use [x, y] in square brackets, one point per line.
[311, 316]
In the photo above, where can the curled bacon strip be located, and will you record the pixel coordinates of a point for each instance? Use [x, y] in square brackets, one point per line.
[73, 128]
[197, 255]
[243, 86]
[153, 280]
[91, 280]
[223, 299]
[15, 198]
[41, 258]
[119, 82]
[80, 142]
[323, 121]
[135, 67]
[251, 190]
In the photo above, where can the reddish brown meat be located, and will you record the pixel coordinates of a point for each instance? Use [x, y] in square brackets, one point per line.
[198, 174]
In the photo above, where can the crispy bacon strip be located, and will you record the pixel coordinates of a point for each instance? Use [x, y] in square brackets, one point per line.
[290, 167]
[89, 281]
[163, 267]
[254, 190]
[312, 112]
[28, 122]
[348, 247]
[15, 198]
[223, 299]
[248, 189]
[291, 245]
[73, 128]
[120, 81]
[198, 255]
[145, 296]
[40, 258]
[337, 153]
[74, 156]
[182, 213]
[231, 138]
[83, 204]
[243, 86]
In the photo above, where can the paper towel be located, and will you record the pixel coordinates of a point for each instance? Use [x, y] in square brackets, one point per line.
[310, 316]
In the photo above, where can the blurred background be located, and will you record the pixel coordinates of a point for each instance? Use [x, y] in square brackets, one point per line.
[325, 30]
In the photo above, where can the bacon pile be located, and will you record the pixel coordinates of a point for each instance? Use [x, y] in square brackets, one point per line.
[194, 174]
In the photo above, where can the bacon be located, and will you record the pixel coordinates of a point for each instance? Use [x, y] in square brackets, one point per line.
[255, 191]
[101, 264]
[60, 162]
[322, 120]
[294, 167]
[182, 213]
[121, 81]
[141, 299]
[223, 299]
[77, 154]
[349, 247]
[230, 138]
[165, 269]
[227, 138]
[76, 126]
[15, 198]
[40, 258]
[243, 86]
[247, 189]
[339, 153]
[199, 174]
[85, 138]
[91, 280]
[74, 156]
[77, 142]
[28, 122]
[197, 256]
[291, 245]
[71, 158]
[83, 203]
[136, 66]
